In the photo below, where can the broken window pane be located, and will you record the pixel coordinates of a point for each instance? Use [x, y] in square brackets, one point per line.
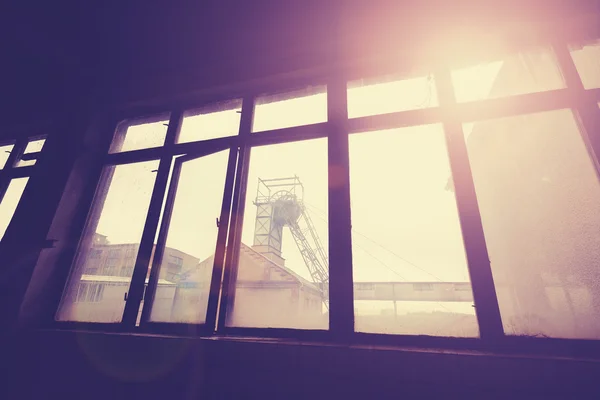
[587, 61]
[9, 202]
[216, 121]
[33, 146]
[520, 73]
[390, 94]
[186, 267]
[110, 243]
[140, 134]
[539, 200]
[4, 154]
[409, 264]
[283, 272]
[284, 110]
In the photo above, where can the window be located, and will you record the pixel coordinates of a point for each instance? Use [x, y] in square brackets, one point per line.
[215, 121]
[140, 134]
[119, 212]
[539, 199]
[302, 107]
[390, 94]
[34, 146]
[190, 242]
[405, 229]
[283, 236]
[13, 182]
[423, 287]
[521, 73]
[587, 61]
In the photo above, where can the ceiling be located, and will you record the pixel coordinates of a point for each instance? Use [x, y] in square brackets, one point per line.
[111, 51]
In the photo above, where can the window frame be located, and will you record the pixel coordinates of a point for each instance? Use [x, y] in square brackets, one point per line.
[337, 129]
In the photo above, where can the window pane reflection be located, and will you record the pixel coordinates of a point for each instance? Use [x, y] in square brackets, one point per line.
[520, 73]
[539, 199]
[108, 252]
[282, 278]
[409, 264]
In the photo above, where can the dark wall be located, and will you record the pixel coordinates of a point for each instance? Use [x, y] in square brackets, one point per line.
[56, 54]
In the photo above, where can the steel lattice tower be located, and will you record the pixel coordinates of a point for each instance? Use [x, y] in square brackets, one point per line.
[279, 203]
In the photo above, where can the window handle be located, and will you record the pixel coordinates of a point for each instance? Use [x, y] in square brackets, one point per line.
[125, 297]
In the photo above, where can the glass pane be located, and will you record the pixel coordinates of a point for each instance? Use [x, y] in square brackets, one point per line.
[587, 61]
[516, 74]
[33, 146]
[140, 134]
[9, 202]
[387, 95]
[539, 199]
[303, 107]
[282, 279]
[186, 268]
[211, 122]
[108, 252]
[409, 263]
[4, 153]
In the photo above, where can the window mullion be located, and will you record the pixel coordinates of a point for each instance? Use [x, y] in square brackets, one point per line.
[480, 272]
[136, 287]
[341, 296]
[237, 217]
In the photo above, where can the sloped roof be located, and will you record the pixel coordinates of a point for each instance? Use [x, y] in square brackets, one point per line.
[117, 279]
[247, 249]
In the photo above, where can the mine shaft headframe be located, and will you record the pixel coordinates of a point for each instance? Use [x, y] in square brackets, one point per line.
[270, 189]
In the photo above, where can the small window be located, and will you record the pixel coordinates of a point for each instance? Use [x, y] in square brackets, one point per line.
[587, 61]
[9, 202]
[140, 134]
[5, 151]
[390, 94]
[422, 287]
[34, 146]
[211, 122]
[284, 110]
[520, 73]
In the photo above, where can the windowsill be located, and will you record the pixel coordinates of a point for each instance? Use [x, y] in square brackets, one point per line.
[517, 348]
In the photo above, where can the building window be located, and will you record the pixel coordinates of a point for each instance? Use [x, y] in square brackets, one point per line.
[14, 178]
[423, 287]
[120, 208]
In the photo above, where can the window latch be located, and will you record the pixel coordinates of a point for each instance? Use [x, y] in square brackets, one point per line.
[218, 222]
[125, 297]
